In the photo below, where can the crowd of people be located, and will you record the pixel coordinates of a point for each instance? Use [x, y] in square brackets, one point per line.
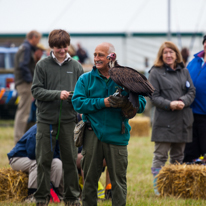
[60, 89]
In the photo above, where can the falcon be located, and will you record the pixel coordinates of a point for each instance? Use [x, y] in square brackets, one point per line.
[130, 80]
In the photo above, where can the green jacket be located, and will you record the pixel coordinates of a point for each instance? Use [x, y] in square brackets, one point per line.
[88, 99]
[49, 80]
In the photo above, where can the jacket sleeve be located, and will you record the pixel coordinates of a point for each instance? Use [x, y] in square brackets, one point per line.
[31, 142]
[83, 104]
[189, 97]
[157, 99]
[38, 87]
[142, 104]
[24, 62]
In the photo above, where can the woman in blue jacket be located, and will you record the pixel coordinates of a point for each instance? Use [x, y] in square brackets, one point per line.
[197, 69]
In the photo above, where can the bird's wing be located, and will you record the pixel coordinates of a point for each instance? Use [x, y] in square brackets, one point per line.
[131, 80]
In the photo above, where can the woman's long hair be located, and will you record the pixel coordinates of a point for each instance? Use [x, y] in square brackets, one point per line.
[167, 44]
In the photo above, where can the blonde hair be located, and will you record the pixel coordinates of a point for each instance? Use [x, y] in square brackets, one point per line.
[167, 44]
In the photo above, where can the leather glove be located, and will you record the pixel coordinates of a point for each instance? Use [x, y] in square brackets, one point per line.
[69, 99]
[116, 101]
[129, 111]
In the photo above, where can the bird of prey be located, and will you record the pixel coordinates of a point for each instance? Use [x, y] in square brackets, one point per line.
[129, 80]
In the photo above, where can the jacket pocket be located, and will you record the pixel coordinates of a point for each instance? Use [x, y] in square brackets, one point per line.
[39, 136]
[188, 117]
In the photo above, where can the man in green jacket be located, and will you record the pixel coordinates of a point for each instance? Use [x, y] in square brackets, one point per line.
[110, 129]
[54, 79]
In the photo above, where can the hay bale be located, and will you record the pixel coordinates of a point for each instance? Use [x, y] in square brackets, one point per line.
[140, 126]
[186, 181]
[13, 185]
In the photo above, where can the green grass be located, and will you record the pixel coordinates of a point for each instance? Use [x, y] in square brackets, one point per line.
[139, 177]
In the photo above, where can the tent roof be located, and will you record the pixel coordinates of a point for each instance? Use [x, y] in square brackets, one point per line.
[108, 16]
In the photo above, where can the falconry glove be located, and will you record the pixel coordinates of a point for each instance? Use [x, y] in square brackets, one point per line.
[116, 101]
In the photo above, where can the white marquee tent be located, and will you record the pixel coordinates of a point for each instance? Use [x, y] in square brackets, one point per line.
[135, 27]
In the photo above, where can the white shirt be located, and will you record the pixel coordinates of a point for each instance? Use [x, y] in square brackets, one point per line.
[68, 57]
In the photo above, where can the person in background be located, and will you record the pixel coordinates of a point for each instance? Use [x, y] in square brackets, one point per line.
[173, 95]
[72, 52]
[23, 71]
[185, 55]
[40, 49]
[54, 80]
[22, 157]
[81, 53]
[107, 138]
[197, 70]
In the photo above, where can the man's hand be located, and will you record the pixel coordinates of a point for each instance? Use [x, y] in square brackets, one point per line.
[106, 102]
[115, 101]
[64, 95]
[69, 99]
[128, 109]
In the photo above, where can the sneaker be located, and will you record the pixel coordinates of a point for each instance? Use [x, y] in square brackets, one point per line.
[74, 203]
[30, 199]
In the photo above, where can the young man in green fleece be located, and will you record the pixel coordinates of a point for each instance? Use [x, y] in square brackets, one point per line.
[54, 79]
[108, 139]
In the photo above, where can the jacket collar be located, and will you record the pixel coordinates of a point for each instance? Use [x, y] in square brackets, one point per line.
[169, 69]
[199, 54]
[68, 58]
[33, 48]
[95, 72]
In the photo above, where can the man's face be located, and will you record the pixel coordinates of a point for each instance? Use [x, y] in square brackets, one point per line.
[100, 57]
[60, 52]
[35, 40]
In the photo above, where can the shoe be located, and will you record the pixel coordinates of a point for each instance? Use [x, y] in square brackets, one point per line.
[155, 172]
[30, 199]
[41, 204]
[108, 194]
[74, 203]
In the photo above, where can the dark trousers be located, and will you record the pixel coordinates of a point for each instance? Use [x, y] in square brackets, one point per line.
[197, 147]
[94, 151]
[45, 145]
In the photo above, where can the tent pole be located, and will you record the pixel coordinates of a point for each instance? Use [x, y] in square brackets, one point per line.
[169, 15]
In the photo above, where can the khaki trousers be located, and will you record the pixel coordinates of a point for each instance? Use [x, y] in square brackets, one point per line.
[176, 151]
[94, 151]
[23, 110]
[30, 166]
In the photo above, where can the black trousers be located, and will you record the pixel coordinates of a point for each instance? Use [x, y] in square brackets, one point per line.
[197, 147]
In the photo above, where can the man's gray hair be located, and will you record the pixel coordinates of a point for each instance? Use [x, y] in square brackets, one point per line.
[111, 49]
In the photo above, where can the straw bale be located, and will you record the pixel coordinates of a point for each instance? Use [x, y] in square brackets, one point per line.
[13, 185]
[186, 181]
[140, 126]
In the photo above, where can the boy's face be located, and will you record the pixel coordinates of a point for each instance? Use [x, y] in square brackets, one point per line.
[60, 52]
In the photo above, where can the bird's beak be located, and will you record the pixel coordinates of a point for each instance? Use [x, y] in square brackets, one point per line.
[108, 57]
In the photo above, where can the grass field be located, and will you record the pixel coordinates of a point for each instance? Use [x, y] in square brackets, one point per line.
[139, 177]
